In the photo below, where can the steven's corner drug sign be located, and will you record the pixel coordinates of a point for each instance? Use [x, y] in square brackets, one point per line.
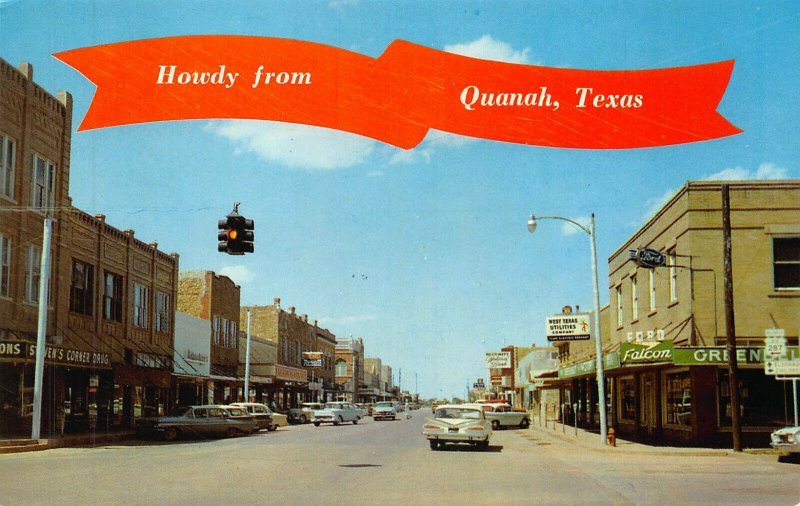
[568, 327]
[641, 353]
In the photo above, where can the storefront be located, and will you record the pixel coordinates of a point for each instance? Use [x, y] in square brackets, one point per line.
[76, 395]
[141, 390]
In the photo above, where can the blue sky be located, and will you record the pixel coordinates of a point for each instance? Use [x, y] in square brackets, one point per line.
[425, 252]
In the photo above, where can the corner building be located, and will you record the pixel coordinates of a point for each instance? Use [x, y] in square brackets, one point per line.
[109, 328]
[664, 331]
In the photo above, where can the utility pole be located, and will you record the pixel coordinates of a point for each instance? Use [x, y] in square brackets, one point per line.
[41, 342]
[247, 363]
[730, 327]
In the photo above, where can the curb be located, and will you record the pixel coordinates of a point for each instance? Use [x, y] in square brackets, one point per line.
[637, 450]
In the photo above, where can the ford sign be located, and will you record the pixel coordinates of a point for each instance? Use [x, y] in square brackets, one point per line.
[648, 258]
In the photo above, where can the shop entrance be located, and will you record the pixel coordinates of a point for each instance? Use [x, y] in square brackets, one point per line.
[649, 394]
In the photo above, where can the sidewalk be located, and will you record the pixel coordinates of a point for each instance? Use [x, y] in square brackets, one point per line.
[68, 440]
[591, 441]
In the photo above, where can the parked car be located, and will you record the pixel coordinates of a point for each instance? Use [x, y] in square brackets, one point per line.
[336, 413]
[366, 409]
[787, 439]
[199, 421]
[384, 410]
[304, 413]
[265, 417]
[457, 423]
[503, 415]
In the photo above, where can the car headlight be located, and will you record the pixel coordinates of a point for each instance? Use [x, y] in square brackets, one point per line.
[795, 437]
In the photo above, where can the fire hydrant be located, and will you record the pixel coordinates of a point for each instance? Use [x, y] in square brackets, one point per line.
[611, 438]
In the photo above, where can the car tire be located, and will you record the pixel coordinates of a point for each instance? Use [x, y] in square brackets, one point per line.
[338, 420]
[231, 432]
[495, 424]
[355, 422]
[170, 434]
[483, 445]
[524, 424]
[316, 424]
[272, 428]
[302, 419]
[434, 444]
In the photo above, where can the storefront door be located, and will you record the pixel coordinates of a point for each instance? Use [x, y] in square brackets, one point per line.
[649, 394]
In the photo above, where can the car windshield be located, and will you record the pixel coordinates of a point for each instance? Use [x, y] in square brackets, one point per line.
[471, 414]
[384, 404]
[333, 405]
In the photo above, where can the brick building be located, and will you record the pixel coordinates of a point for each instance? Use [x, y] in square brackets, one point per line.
[215, 298]
[349, 368]
[294, 336]
[109, 332]
[664, 331]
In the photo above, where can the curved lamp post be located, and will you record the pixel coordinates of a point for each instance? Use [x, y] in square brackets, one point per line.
[601, 389]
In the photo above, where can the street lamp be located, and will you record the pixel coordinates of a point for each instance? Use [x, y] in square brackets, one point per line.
[601, 388]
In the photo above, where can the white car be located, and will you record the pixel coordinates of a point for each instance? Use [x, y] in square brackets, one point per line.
[786, 439]
[457, 423]
[336, 413]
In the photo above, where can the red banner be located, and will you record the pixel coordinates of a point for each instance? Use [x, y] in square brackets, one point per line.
[399, 96]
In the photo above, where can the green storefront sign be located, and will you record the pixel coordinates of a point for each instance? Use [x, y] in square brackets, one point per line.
[719, 355]
[610, 361]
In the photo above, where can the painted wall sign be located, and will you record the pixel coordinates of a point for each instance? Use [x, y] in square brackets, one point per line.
[719, 355]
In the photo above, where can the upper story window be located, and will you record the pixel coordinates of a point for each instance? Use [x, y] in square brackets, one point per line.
[786, 259]
[673, 277]
[634, 299]
[341, 368]
[112, 297]
[81, 290]
[141, 299]
[651, 274]
[43, 180]
[215, 331]
[5, 266]
[8, 156]
[162, 319]
[619, 306]
[33, 261]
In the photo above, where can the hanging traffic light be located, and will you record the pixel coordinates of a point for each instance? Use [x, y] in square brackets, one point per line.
[235, 234]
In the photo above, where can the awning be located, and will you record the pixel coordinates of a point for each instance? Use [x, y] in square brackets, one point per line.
[142, 376]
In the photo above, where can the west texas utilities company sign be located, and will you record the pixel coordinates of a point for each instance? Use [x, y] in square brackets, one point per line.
[568, 327]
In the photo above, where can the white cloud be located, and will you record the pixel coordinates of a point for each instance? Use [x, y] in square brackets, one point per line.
[654, 204]
[409, 156]
[766, 170]
[488, 48]
[568, 228]
[295, 146]
[239, 274]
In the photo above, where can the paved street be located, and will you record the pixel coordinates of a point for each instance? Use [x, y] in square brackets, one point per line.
[389, 463]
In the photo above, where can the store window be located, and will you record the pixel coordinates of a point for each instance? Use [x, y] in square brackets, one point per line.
[112, 297]
[761, 399]
[619, 306]
[678, 389]
[786, 258]
[5, 266]
[81, 291]
[627, 399]
[216, 323]
[634, 299]
[141, 299]
[7, 163]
